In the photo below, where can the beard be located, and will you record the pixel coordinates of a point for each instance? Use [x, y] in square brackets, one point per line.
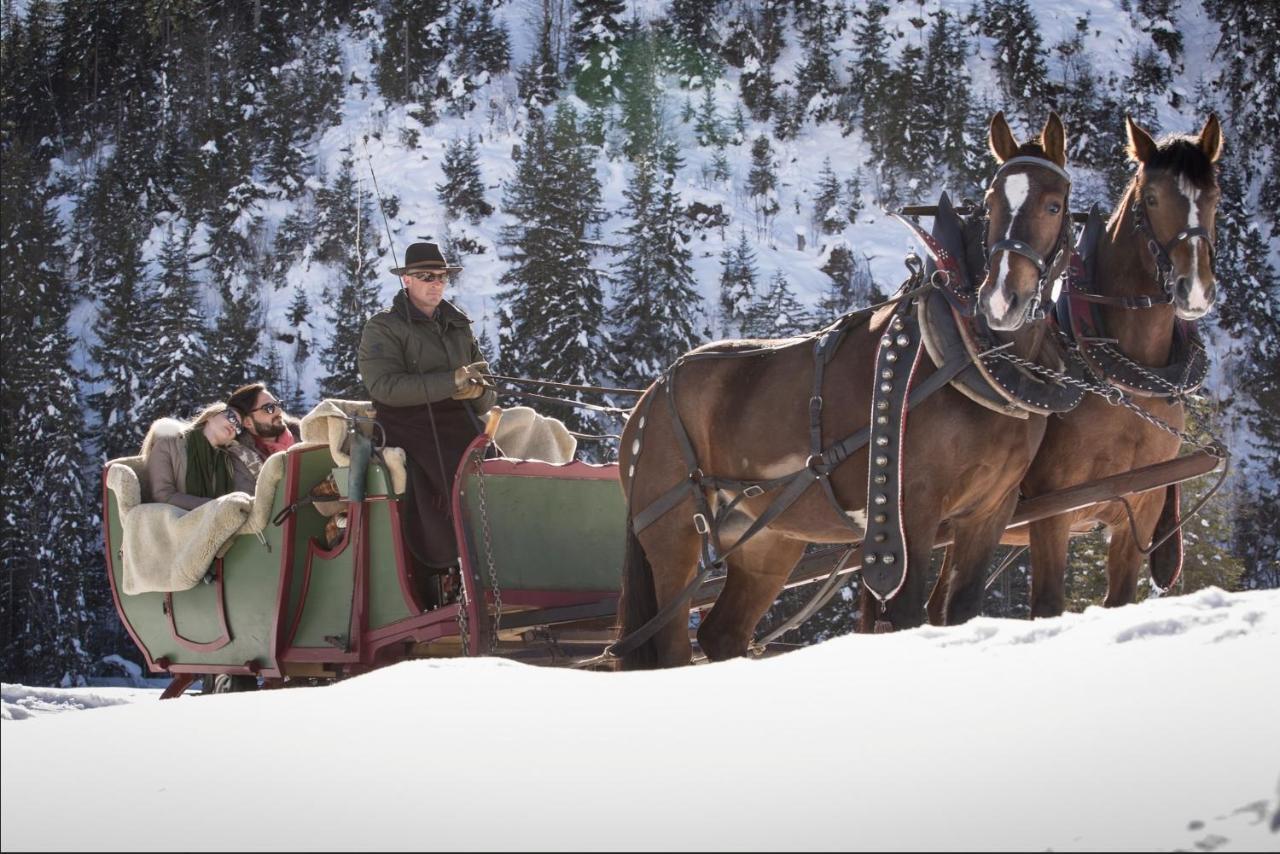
[270, 430]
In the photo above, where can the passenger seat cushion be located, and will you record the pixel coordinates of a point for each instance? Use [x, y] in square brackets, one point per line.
[122, 479]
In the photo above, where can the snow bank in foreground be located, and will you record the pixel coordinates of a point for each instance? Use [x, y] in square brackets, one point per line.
[1147, 727]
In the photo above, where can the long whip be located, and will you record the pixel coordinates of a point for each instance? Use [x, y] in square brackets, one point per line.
[382, 209]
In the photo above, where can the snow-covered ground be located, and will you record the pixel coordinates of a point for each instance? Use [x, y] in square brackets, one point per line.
[1151, 727]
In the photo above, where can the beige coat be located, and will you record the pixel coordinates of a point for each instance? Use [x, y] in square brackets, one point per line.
[165, 453]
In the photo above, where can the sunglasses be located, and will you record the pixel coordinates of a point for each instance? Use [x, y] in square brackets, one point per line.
[232, 416]
[429, 277]
[269, 408]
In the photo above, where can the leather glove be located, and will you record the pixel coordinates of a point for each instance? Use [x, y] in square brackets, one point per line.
[469, 381]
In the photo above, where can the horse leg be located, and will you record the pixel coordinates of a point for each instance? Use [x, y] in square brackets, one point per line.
[976, 538]
[757, 572]
[1124, 560]
[658, 565]
[938, 597]
[1049, 565]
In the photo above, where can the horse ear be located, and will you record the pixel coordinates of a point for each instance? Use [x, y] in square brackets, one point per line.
[1211, 138]
[1001, 140]
[1141, 145]
[1053, 139]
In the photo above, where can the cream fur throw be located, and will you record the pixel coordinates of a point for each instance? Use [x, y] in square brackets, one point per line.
[523, 434]
[327, 424]
[167, 548]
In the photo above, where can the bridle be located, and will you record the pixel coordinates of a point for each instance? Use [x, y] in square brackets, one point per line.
[1048, 270]
[1162, 253]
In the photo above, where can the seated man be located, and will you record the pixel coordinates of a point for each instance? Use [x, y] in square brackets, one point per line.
[423, 369]
[267, 428]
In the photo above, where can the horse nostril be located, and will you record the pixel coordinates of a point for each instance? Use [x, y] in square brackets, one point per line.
[1183, 288]
[1013, 299]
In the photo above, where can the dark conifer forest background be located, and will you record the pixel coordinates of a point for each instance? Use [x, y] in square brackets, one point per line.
[188, 203]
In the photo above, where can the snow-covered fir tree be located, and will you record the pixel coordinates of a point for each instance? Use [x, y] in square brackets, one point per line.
[658, 315]
[737, 286]
[551, 324]
[762, 183]
[777, 313]
[828, 218]
[596, 39]
[415, 38]
[175, 349]
[462, 192]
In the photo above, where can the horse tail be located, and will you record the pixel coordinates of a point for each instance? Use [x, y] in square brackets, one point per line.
[639, 602]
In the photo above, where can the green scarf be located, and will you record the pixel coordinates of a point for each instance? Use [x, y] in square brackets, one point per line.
[208, 468]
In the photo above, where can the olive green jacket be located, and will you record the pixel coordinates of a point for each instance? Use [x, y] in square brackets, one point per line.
[408, 359]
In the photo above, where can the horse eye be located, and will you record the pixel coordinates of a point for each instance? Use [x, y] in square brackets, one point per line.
[1055, 208]
[1151, 201]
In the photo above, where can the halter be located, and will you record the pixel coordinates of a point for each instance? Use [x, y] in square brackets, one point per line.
[1161, 253]
[1033, 311]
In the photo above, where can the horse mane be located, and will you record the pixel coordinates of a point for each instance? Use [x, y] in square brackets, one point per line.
[1183, 156]
[1031, 149]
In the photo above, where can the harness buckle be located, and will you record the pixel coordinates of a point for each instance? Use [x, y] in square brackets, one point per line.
[700, 524]
[696, 475]
[815, 404]
[753, 490]
[817, 465]
[940, 278]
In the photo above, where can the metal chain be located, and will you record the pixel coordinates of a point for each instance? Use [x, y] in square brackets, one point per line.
[463, 629]
[1115, 397]
[1178, 391]
[488, 551]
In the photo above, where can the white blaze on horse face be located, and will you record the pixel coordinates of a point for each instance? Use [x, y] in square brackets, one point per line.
[1016, 189]
[1196, 299]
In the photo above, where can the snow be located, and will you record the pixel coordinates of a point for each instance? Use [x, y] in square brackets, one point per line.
[1150, 727]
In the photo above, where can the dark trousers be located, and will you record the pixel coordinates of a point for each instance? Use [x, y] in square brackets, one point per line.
[434, 437]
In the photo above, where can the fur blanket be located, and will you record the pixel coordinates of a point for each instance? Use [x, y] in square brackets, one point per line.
[327, 424]
[166, 548]
[524, 434]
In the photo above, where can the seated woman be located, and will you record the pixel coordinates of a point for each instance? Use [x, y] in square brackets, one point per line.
[189, 465]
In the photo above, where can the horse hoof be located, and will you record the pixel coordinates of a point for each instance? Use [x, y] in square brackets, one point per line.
[883, 626]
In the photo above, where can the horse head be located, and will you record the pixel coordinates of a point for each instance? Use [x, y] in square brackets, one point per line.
[1028, 223]
[1174, 199]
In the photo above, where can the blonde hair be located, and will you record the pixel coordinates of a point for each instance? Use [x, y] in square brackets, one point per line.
[207, 414]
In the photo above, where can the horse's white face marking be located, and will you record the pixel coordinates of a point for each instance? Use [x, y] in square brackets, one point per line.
[786, 465]
[1197, 300]
[1016, 189]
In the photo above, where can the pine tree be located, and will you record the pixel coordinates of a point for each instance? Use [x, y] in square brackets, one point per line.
[817, 88]
[947, 93]
[551, 324]
[737, 287]
[708, 127]
[355, 252]
[462, 193]
[415, 40]
[869, 71]
[175, 351]
[762, 183]
[596, 37]
[827, 216]
[657, 316]
[778, 314]
[1019, 55]
[853, 195]
[693, 43]
[540, 79]
[641, 96]
[851, 283]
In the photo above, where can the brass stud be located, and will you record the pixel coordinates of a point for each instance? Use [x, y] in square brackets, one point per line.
[869, 559]
[882, 460]
[882, 419]
[886, 387]
[887, 558]
[891, 356]
[882, 498]
[886, 374]
[882, 405]
[882, 440]
[881, 479]
[903, 340]
[887, 341]
[881, 537]
[881, 518]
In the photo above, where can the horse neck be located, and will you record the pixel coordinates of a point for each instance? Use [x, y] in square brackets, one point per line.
[1144, 335]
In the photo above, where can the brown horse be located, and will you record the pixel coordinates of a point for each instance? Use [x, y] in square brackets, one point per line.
[745, 413]
[1152, 273]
